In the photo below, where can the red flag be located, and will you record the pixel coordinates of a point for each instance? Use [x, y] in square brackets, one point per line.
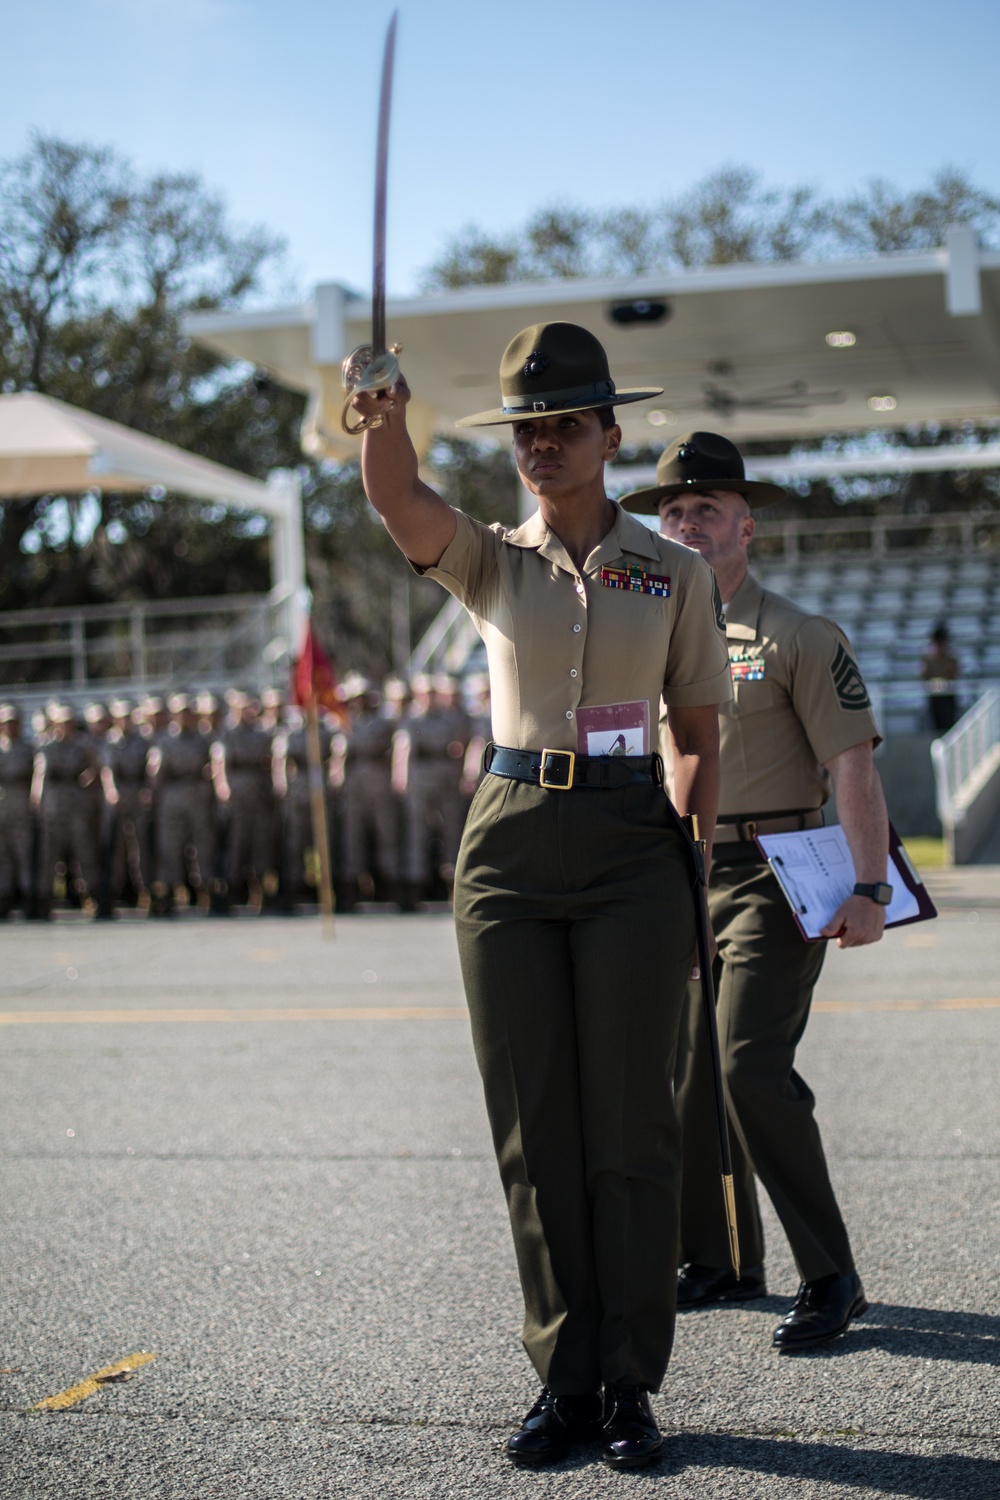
[313, 679]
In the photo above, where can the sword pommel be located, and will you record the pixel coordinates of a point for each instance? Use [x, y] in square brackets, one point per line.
[363, 370]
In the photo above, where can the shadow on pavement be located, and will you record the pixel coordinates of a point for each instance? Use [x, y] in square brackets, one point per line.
[938, 1477]
[920, 1332]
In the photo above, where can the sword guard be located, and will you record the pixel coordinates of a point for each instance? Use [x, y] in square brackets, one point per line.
[364, 370]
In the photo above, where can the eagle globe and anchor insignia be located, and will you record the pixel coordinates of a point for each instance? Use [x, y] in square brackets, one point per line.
[535, 365]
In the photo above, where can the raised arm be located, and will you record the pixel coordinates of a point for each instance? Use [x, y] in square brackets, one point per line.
[415, 516]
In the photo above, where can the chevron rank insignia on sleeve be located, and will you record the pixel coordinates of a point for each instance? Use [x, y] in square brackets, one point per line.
[720, 613]
[847, 679]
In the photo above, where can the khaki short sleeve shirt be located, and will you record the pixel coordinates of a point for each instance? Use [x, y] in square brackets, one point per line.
[560, 639]
[798, 700]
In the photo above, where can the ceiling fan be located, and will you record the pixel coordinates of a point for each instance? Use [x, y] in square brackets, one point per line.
[724, 402]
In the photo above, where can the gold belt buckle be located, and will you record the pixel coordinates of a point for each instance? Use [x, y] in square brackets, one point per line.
[748, 829]
[559, 785]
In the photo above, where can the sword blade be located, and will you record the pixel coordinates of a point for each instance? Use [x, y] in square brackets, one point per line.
[381, 178]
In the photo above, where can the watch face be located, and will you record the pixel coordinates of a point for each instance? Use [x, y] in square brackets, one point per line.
[879, 892]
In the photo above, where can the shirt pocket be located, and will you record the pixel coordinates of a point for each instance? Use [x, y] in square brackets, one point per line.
[750, 698]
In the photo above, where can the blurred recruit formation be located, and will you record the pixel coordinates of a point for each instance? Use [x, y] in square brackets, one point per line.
[200, 804]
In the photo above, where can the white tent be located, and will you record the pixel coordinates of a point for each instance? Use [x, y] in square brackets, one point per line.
[47, 446]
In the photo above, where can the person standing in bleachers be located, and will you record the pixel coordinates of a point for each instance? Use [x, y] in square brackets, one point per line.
[939, 670]
[799, 724]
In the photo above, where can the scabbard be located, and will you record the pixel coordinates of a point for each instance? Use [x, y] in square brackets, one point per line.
[715, 1060]
[696, 847]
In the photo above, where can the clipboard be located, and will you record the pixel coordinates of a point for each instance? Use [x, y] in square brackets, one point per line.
[815, 871]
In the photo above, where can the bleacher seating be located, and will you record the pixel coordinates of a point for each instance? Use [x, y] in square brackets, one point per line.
[888, 606]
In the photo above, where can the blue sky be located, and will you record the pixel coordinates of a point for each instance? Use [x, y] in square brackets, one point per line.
[500, 110]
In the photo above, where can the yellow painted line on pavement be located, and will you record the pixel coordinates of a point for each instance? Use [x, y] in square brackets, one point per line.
[978, 1002]
[327, 1013]
[120, 1370]
[401, 1012]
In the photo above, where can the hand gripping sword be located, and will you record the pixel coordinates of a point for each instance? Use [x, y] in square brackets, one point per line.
[373, 367]
[711, 1027]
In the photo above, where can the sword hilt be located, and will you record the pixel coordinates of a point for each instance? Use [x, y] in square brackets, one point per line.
[364, 370]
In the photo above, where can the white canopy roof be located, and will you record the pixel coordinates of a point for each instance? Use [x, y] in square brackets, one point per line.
[926, 331]
[46, 445]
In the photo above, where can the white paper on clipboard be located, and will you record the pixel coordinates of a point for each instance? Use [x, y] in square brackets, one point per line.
[816, 872]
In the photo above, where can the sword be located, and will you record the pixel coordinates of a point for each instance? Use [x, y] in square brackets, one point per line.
[373, 367]
[711, 1027]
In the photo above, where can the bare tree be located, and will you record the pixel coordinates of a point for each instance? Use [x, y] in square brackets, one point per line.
[732, 217]
[64, 208]
[882, 219]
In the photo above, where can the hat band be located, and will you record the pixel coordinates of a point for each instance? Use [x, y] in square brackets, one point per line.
[717, 482]
[598, 390]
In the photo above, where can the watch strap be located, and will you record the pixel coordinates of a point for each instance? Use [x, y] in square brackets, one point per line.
[880, 891]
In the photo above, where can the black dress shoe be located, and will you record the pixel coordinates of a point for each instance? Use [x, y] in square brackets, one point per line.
[704, 1286]
[552, 1426]
[631, 1437]
[821, 1312]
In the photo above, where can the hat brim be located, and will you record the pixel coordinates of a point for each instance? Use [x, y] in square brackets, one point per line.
[498, 416]
[755, 491]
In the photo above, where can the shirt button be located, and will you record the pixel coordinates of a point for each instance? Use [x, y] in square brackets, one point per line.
[569, 713]
[577, 629]
[573, 672]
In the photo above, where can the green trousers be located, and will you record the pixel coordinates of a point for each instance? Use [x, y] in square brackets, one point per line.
[575, 928]
[764, 978]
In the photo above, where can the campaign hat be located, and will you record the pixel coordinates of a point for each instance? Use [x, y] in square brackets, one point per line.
[551, 369]
[355, 686]
[700, 461]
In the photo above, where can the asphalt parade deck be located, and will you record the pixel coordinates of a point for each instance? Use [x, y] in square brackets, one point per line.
[261, 1157]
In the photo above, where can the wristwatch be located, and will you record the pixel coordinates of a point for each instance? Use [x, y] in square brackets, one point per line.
[879, 892]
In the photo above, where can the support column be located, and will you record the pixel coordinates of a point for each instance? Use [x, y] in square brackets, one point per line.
[288, 558]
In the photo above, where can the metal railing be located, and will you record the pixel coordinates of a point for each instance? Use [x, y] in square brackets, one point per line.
[961, 755]
[447, 643]
[877, 536]
[104, 649]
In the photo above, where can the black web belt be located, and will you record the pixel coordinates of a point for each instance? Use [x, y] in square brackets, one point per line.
[561, 770]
